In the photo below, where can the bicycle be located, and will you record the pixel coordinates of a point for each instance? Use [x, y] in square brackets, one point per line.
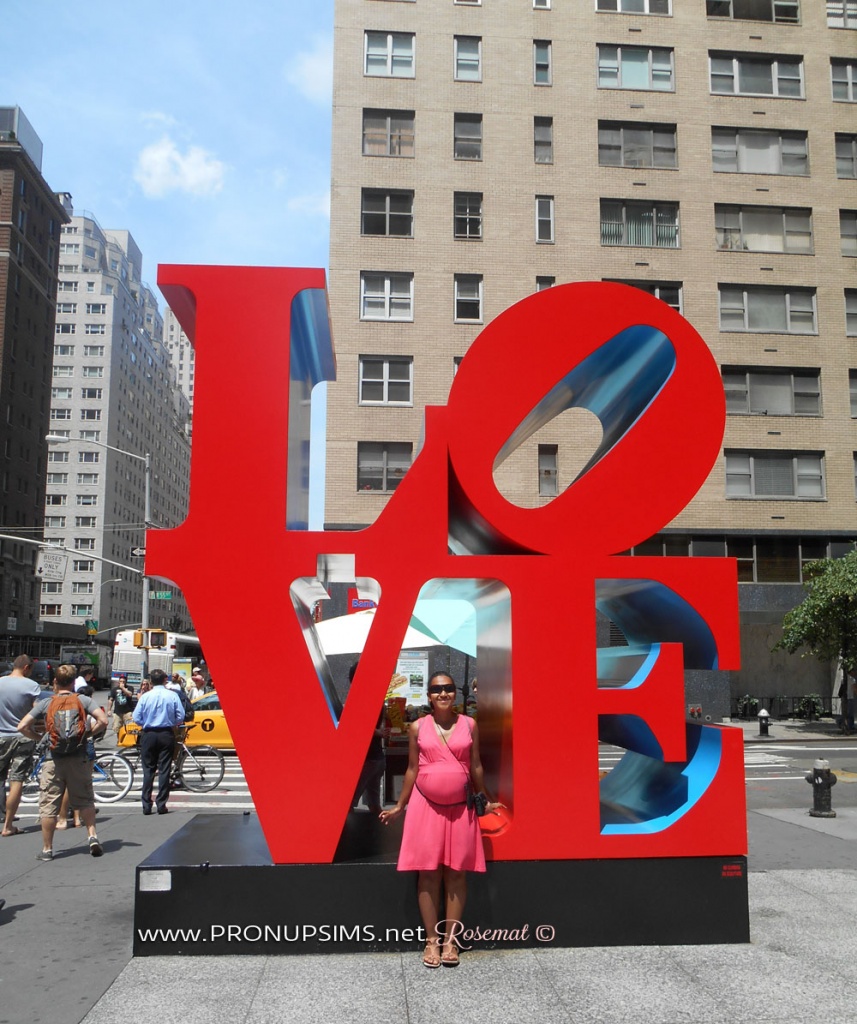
[198, 769]
[112, 777]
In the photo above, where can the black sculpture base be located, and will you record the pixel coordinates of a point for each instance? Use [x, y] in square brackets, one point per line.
[212, 889]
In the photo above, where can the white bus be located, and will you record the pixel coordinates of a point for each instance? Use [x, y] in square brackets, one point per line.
[181, 654]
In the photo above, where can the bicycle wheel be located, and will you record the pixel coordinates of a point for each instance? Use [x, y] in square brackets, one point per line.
[30, 790]
[112, 778]
[201, 769]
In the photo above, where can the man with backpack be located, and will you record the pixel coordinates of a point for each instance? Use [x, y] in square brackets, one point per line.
[67, 767]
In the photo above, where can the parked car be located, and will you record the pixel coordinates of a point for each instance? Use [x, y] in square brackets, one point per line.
[210, 728]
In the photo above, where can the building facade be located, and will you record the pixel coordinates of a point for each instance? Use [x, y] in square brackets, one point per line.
[31, 216]
[703, 151]
[113, 387]
[181, 352]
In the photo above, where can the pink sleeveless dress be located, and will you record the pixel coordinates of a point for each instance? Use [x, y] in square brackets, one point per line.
[439, 827]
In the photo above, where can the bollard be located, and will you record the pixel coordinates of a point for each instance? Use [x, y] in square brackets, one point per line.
[764, 722]
[822, 780]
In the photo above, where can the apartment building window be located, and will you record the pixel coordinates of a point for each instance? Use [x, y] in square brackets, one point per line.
[89, 456]
[60, 414]
[543, 283]
[57, 431]
[787, 11]
[67, 286]
[94, 329]
[386, 296]
[49, 611]
[467, 136]
[91, 392]
[93, 350]
[843, 78]
[381, 466]
[387, 212]
[635, 67]
[468, 298]
[852, 388]
[83, 565]
[624, 222]
[51, 588]
[83, 587]
[752, 74]
[63, 350]
[65, 328]
[467, 55]
[763, 228]
[90, 414]
[389, 54]
[542, 5]
[767, 308]
[386, 380]
[93, 371]
[66, 307]
[96, 308]
[846, 155]
[467, 215]
[541, 61]
[544, 219]
[628, 144]
[89, 435]
[57, 457]
[85, 522]
[388, 133]
[56, 479]
[770, 392]
[759, 151]
[851, 312]
[56, 499]
[548, 472]
[87, 478]
[667, 291]
[54, 522]
[543, 140]
[848, 232]
[774, 474]
[635, 6]
[841, 14]
[87, 499]
[81, 610]
[84, 543]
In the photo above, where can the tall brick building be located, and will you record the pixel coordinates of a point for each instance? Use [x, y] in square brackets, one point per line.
[704, 151]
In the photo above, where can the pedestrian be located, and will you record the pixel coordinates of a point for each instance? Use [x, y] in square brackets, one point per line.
[67, 765]
[441, 838]
[84, 678]
[18, 693]
[196, 687]
[120, 703]
[374, 767]
[159, 713]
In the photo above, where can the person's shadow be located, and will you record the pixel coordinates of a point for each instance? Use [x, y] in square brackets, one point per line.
[9, 913]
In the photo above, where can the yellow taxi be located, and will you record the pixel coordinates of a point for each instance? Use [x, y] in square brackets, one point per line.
[209, 726]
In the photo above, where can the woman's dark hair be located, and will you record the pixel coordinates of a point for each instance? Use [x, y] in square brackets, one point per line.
[437, 675]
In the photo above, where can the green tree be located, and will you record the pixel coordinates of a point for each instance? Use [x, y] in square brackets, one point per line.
[825, 622]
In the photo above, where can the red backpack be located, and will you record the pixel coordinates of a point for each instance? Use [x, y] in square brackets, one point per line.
[65, 724]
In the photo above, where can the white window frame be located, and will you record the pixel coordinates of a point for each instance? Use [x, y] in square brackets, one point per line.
[730, 234]
[846, 155]
[610, 61]
[652, 129]
[848, 232]
[784, 12]
[369, 195]
[631, 7]
[66, 307]
[81, 610]
[545, 281]
[657, 227]
[542, 140]
[399, 141]
[96, 309]
[399, 63]
[658, 289]
[467, 214]
[385, 380]
[50, 611]
[83, 565]
[470, 139]
[82, 587]
[744, 468]
[777, 64]
[746, 389]
[390, 298]
[851, 312]
[467, 289]
[541, 5]
[548, 470]
[466, 64]
[848, 80]
[542, 62]
[392, 471]
[796, 313]
[545, 226]
[742, 137]
[842, 14]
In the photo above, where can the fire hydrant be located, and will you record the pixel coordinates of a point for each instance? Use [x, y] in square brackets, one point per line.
[764, 722]
[822, 780]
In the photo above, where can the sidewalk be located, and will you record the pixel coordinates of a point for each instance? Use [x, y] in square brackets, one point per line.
[793, 730]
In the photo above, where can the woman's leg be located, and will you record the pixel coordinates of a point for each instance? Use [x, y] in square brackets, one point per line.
[455, 887]
[428, 898]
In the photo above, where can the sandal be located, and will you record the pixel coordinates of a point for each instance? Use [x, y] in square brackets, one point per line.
[431, 954]
[12, 831]
[450, 957]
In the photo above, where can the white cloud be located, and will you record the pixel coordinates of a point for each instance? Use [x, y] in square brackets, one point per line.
[311, 72]
[317, 204]
[159, 118]
[162, 168]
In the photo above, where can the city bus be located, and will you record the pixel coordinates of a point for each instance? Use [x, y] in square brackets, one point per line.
[181, 653]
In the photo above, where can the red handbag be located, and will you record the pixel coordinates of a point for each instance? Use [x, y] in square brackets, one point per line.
[495, 822]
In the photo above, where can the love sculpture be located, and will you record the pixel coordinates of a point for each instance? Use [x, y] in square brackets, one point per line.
[535, 576]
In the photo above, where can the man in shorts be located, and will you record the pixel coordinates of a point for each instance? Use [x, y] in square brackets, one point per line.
[18, 693]
[71, 772]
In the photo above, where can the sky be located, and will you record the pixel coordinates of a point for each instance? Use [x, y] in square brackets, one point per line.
[202, 128]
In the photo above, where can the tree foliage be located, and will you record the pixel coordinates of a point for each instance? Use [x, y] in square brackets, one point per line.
[825, 622]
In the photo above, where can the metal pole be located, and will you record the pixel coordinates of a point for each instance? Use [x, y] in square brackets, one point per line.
[147, 516]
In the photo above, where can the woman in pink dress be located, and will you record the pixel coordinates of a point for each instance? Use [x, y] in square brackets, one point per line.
[441, 838]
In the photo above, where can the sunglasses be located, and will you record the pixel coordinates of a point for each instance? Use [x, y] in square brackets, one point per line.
[435, 690]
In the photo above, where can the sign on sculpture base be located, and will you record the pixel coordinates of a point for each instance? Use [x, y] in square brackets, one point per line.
[212, 890]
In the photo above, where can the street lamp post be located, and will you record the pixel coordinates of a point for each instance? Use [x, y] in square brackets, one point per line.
[146, 459]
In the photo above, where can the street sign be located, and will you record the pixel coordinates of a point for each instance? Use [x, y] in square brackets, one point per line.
[162, 595]
[51, 565]
[91, 627]
[138, 552]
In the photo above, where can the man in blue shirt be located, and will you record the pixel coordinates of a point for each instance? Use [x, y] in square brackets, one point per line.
[159, 713]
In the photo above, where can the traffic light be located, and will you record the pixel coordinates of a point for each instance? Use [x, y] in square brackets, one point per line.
[157, 638]
[139, 638]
